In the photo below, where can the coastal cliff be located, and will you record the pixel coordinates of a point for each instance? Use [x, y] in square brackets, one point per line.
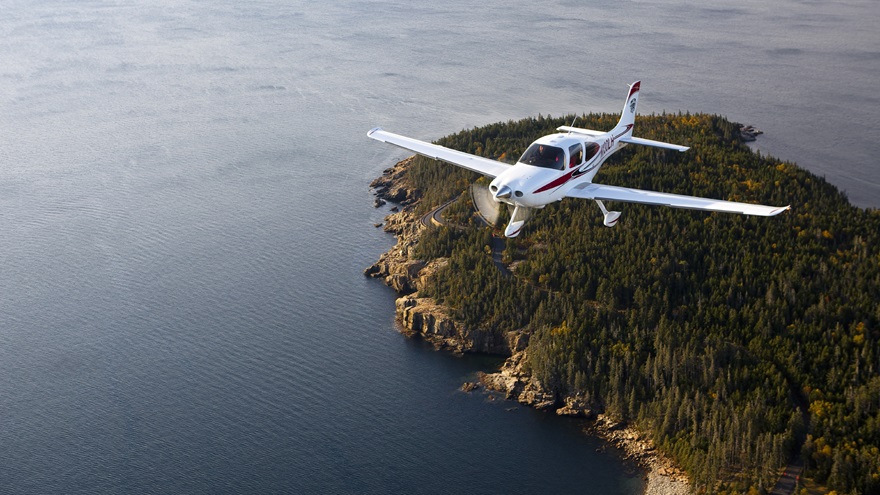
[422, 316]
[400, 270]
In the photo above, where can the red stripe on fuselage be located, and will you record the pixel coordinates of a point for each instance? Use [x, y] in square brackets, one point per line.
[556, 183]
[628, 127]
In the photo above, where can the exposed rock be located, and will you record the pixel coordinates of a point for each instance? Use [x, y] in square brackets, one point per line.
[575, 406]
[749, 133]
[423, 277]
[469, 386]
[397, 266]
[518, 385]
[664, 476]
[659, 484]
[422, 316]
[517, 340]
[392, 185]
[378, 202]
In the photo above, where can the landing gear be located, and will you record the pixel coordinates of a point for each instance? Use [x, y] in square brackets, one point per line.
[611, 217]
[518, 219]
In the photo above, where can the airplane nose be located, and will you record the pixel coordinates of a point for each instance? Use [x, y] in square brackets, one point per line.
[503, 193]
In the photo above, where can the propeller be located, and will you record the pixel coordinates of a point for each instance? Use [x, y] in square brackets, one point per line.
[492, 213]
[485, 204]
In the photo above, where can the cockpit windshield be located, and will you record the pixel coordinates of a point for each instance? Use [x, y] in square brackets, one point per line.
[544, 156]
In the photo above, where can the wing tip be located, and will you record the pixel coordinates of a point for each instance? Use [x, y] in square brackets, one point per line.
[779, 210]
[371, 131]
[785, 208]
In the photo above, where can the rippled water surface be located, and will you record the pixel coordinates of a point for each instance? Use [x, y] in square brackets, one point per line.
[184, 219]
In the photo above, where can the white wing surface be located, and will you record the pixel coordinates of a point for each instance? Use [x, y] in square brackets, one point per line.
[614, 193]
[650, 142]
[624, 139]
[485, 166]
[578, 130]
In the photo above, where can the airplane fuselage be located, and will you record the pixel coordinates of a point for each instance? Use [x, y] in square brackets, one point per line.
[572, 160]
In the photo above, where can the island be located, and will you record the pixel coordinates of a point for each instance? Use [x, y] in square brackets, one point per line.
[716, 349]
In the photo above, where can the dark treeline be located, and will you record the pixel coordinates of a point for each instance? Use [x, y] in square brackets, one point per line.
[732, 340]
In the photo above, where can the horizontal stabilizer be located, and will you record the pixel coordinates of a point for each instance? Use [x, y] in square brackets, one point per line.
[625, 194]
[485, 166]
[657, 144]
[578, 130]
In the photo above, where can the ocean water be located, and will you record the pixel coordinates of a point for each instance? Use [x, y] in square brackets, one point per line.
[185, 217]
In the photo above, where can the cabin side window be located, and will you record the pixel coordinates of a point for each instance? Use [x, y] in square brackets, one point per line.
[592, 149]
[576, 152]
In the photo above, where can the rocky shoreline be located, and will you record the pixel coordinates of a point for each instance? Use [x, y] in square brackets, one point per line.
[749, 133]
[422, 316]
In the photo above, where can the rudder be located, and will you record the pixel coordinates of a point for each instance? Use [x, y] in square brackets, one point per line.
[628, 115]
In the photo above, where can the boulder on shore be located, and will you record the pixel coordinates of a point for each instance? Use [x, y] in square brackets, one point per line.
[469, 386]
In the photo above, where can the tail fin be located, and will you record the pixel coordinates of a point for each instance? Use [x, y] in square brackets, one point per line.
[628, 115]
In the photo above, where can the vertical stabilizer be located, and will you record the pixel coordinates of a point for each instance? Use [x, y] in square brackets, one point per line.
[628, 115]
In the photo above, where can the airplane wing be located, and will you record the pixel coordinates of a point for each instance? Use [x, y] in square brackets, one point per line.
[614, 193]
[625, 139]
[650, 142]
[485, 166]
[578, 130]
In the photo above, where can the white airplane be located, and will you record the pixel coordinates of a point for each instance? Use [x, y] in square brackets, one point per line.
[563, 165]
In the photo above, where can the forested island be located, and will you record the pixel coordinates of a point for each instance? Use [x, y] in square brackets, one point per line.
[734, 344]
